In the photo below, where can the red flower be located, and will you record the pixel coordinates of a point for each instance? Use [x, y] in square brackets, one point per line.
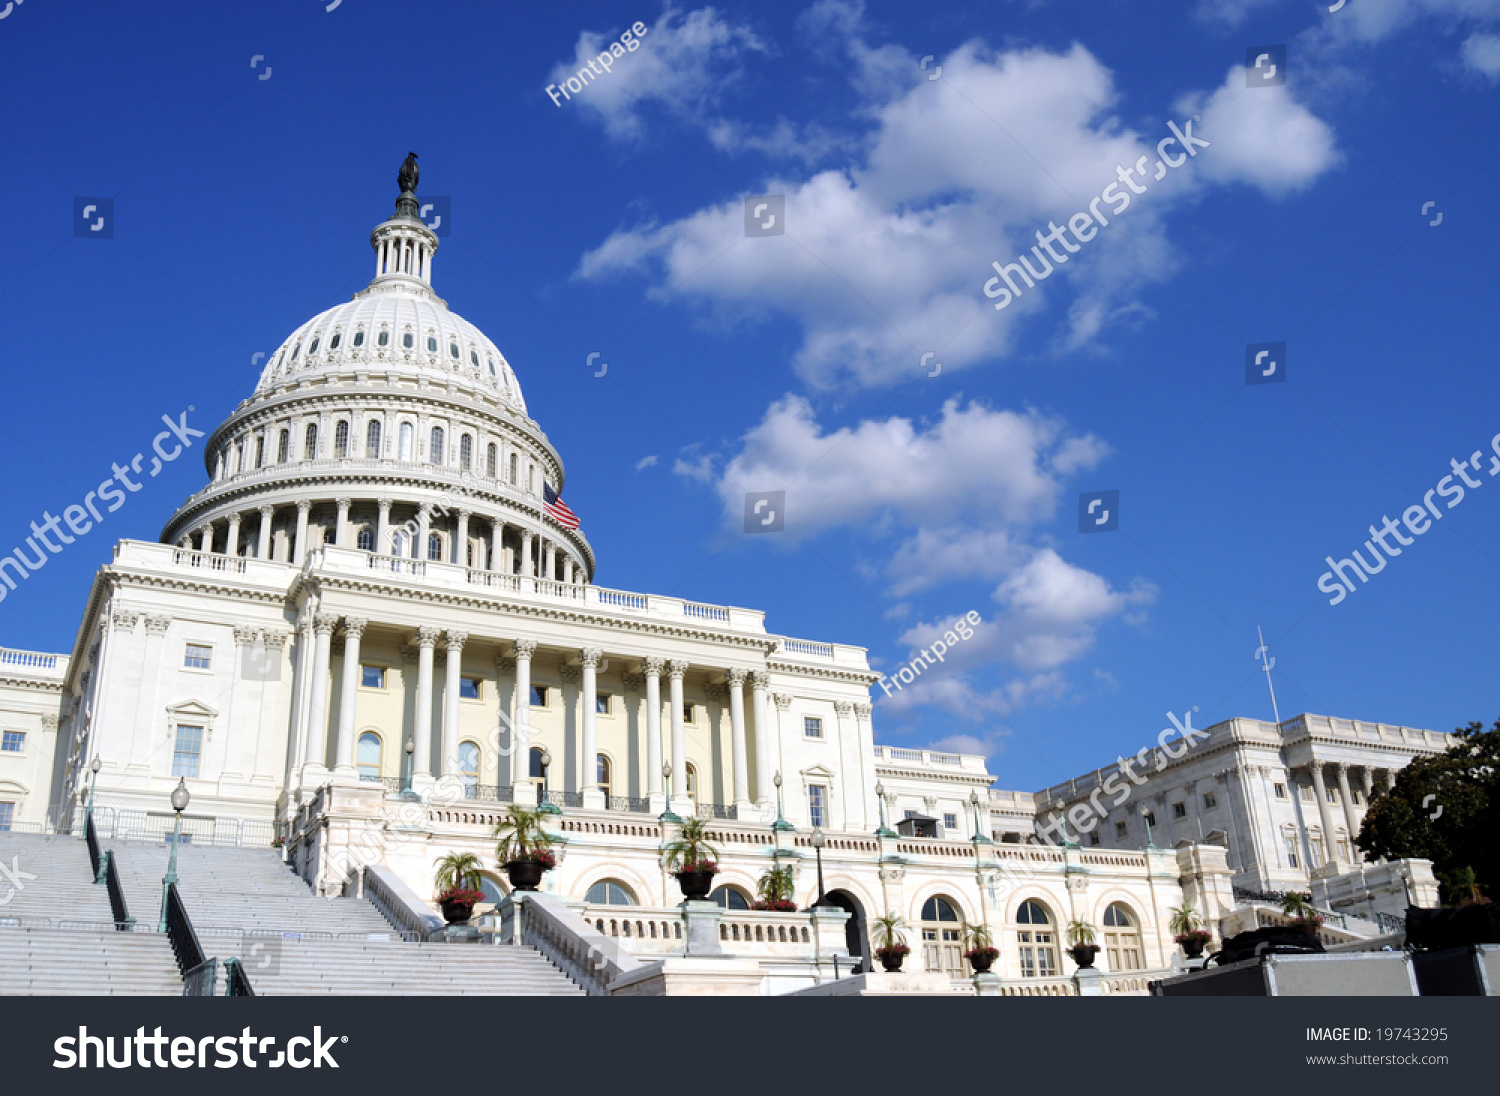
[993, 953]
[690, 866]
[780, 905]
[895, 949]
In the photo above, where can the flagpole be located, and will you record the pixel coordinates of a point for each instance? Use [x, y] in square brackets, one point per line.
[1267, 662]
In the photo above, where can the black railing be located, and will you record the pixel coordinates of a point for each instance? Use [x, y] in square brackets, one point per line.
[628, 803]
[391, 783]
[491, 793]
[563, 799]
[724, 811]
[236, 983]
[92, 839]
[123, 921]
[201, 980]
[180, 932]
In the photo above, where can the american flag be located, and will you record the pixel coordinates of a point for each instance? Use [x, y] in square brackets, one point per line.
[558, 508]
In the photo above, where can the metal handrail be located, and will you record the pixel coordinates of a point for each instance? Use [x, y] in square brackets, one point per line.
[180, 932]
[91, 837]
[630, 803]
[201, 979]
[236, 982]
[727, 811]
[123, 921]
[491, 793]
[563, 799]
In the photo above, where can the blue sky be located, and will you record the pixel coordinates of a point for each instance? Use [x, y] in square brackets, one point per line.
[614, 223]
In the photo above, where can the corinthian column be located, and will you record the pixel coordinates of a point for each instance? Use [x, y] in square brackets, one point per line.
[1325, 816]
[1351, 820]
[675, 671]
[232, 545]
[299, 549]
[452, 684]
[427, 638]
[520, 733]
[741, 782]
[317, 716]
[593, 798]
[354, 628]
[759, 681]
[652, 668]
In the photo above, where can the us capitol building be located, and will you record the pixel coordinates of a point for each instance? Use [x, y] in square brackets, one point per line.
[376, 627]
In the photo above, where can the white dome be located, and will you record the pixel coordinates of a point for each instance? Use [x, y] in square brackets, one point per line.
[403, 312]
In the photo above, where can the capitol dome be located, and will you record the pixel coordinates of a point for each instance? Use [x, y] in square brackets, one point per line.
[388, 424]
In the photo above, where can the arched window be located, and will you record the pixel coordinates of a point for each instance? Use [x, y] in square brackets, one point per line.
[731, 898]
[468, 768]
[341, 439]
[359, 337]
[239, 457]
[284, 447]
[436, 450]
[435, 547]
[692, 781]
[453, 351]
[295, 349]
[310, 442]
[364, 540]
[369, 757]
[608, 892]
[465, 452]
[474, 359]
[407, 341]
[1036, 941]
[491, 889]
[538, 771]
[602, 773]
[942, 937]
[492, 461]
[403, 441]
[372, 440]
[432, 344]
[1122, 939]
[333, 343]
[383, 339]
[514, 466]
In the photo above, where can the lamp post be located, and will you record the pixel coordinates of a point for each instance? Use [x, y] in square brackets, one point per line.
[884, 831]
[180, 799]
[818, 840]
[668, 815]
[781, 825]
[94, 767]
[547, 807]
[411, 748]
[979, 835]
[1146, 818]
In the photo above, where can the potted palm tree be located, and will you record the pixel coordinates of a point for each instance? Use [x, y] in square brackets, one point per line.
[1081, 944]
[1465, 889]
[775, 889]
[692, 859]
[891, 948]
[458, 882]
[525, 848]
[982, 952]
[1188, 931]
[1302, 913]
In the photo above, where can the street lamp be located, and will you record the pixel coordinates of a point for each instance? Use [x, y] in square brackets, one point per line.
[979, 838]
[94, 767]
[884, 831]
[781, 825]
[1146, 818]
[411, 748]
[180, 799]
[818, 840]
[547, 807]
[666, 782]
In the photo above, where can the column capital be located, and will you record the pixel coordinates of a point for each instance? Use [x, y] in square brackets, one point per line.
[355, 626]
[736, 677]
[570, 673]
[591, 657]
[344, 503]
[783, 701]
[465, 513]
[505, 664]
[456, 640]
[243, 637]
[304, 506]
[325, 623]
[843, 707]
[653, 666]
[266, 511]
[234, 520]
[157, 625]
[634, 683]
[276, 639]
[525, 648]
[1343, 769]
[759, 679]
[206, 527]
[427, 636]
[863, 711]
[677, 668]
[384, 505]
[124, 619]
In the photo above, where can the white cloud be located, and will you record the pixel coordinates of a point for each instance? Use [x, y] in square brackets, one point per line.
[646, 462]
[940, 555]
[683, 65]
[695, 465]
[884, 257]
[1481, 53]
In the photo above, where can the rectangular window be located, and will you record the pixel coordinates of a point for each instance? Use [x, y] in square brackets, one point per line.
[187, 751]
[812, 726]
[817, 806]
[1291, 851]
[1354, 794]
[1120, 830]
[1280, 791]
[13, 742]
[601, 703]
[1305, 792]
[687, 713]
[468, 688]
[1331, 794]
[1179, 810]
[1210, 801]
[950, 821]
[1093, 837]
[372, 677]
[539, 696]
[7, 816]
[911, 814]
[198, 657]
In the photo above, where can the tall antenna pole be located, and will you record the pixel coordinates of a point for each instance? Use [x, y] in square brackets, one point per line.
[1266, 663]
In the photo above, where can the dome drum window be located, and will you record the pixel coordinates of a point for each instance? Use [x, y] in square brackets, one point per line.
[453, 351]
[431, 344]
[333, 343]
[407, 341]
[313, 349]
[383, 339]
[359, 338]
[295, 349]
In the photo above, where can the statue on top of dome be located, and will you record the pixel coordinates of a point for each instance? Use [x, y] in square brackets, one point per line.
[407, 178]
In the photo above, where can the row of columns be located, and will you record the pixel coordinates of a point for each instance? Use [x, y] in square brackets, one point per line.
[1346, 800]
[547, 561]
[311, 701]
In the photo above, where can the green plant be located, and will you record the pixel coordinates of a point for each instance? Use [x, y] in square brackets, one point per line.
[521, 836]
[1080, 933]
[888, 932]
[776, 886]
[458, 871]
[1185, 920]
[691, 851]
[977, 937]
[1464, 890]
[1298, 907]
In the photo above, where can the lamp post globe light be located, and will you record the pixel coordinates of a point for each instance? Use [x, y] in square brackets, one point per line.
[94, 767]
[781, 825]
[547, 806]
[411, 748]
[180, 798]
[1146, 818]
[668, 815]
[885, 830]
[818, 841]
[979, 834]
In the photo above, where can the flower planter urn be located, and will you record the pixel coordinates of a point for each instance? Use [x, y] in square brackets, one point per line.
[982, 959]
[891, 960]
[455, 911]
[524, 875]
[695, 884]
[1192, 947]
[1083, 955]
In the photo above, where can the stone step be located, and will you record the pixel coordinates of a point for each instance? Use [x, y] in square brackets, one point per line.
[49, 962]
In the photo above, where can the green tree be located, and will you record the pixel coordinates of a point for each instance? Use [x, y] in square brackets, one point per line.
[1464, 781]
